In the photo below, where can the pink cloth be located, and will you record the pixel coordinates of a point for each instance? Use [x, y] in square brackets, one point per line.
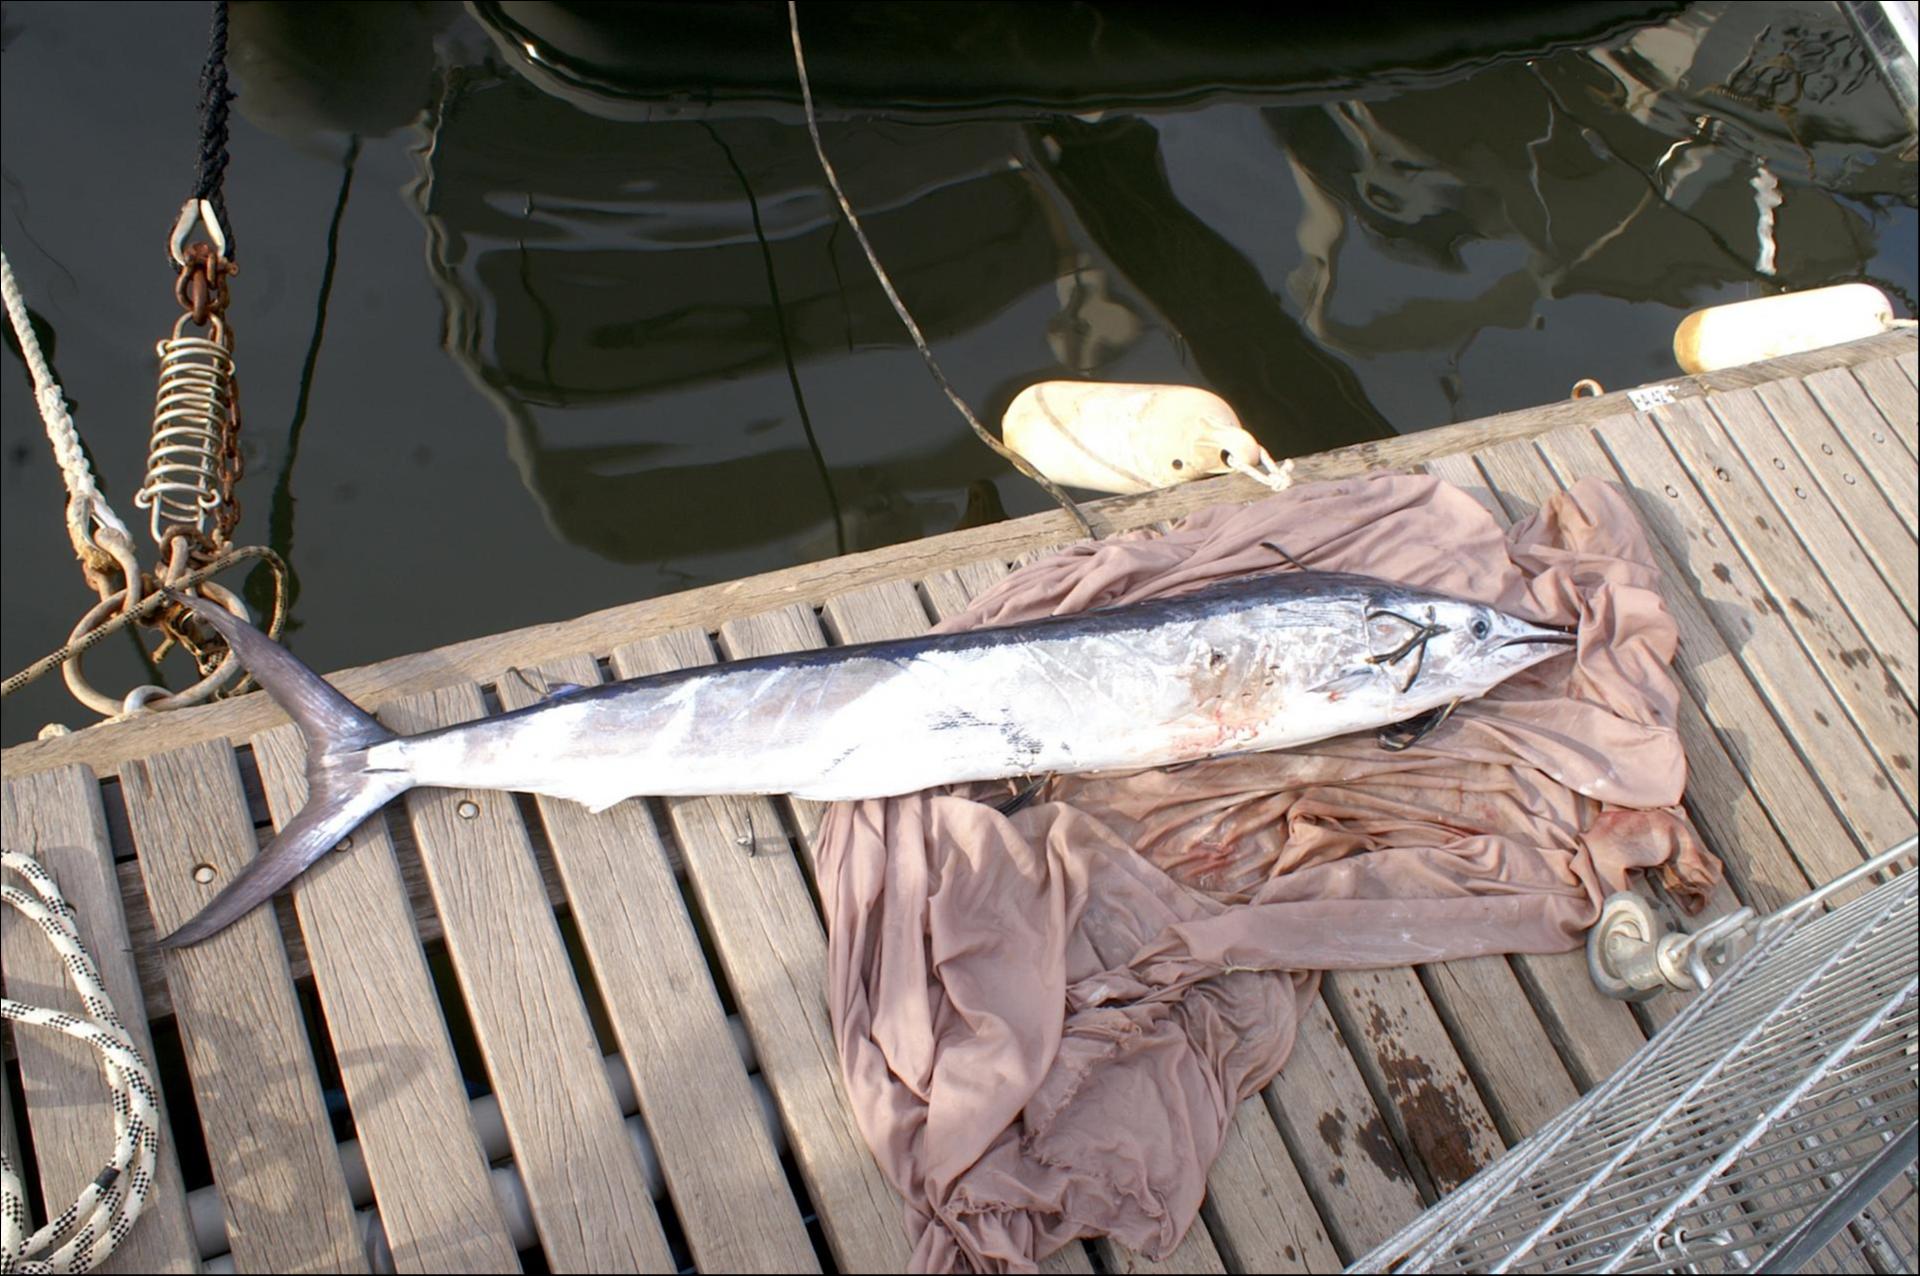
[1047, 1021]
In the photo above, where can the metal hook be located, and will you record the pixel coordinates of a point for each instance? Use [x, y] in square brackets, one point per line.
[1296, 563]
[1425, 632]
[1024, 795]
[1402, 736]
[520, 675]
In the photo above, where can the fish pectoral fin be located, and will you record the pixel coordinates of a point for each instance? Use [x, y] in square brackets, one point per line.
[1345, 683]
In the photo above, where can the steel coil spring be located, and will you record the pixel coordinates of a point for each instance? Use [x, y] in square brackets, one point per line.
[192, 420]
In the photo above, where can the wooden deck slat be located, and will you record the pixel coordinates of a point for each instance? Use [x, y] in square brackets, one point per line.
[1841, 400]
[1889, 386]
[153, 983]
[1512, 1058]
[721, 1168]
[1750, 619]
[1257, 1209]
[1068, 1258]
[1408, 1059]
[268, 1134]
[1347, 1158]
[1779, 827]
[55, 817]
[1805, 554]
[585, 1186]
[422, 1155]
[1852, 507]
[773, 951]
[1807, 600]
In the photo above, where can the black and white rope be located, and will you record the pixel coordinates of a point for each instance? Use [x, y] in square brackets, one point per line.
[92, 1227]
[210, 174]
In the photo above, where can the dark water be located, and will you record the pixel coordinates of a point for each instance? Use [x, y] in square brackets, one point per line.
[544, 309]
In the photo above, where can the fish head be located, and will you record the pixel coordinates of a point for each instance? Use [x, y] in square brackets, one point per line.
[1436, 649]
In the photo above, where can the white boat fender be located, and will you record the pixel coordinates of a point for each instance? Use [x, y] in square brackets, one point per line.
[1118, 437]
[1768, 327]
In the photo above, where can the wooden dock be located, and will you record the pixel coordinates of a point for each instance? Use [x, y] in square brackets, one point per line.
[600, 1042]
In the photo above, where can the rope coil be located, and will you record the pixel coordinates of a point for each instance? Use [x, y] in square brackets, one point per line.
[99, 1219]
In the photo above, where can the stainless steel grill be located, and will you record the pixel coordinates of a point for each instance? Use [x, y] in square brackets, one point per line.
[1769, 1127]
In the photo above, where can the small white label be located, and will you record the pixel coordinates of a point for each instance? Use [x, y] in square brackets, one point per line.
[1651, 396]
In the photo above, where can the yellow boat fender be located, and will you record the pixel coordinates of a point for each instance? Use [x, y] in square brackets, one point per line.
[1116, 437]
[1768, 327]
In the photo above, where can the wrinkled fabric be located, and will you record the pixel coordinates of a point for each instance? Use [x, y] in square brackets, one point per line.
[1046, 1021]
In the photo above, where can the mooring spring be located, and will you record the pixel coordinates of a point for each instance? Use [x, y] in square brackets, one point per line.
[192, 419]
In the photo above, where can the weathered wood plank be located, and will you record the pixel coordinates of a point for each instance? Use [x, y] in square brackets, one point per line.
[1257, 1209]
[951, 591]
[585, 1185]
[1506, 1049]
[1071, 1257]
[1804, 550]
[1843, 725]
[773, 952]
[1856, 420]
[55, 817]
[484, 659]
[426, 922]
[687, 1075]
[268, 1135]
[1786, 772]
[422, 1155]
[1842, 518]
[1410, 1063]
[1340, 1142]
[1889, 383]
[1195, 1255]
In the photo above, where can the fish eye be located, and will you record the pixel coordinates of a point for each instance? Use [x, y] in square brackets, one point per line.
[1480, 627]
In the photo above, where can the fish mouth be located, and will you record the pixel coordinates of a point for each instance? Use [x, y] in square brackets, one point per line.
[1559, 637]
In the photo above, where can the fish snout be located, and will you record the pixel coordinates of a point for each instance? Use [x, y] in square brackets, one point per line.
[1521, 632]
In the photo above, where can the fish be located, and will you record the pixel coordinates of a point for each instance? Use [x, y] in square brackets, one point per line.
[1249, 664]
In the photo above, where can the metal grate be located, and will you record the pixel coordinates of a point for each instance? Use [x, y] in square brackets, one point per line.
[1769, 1127]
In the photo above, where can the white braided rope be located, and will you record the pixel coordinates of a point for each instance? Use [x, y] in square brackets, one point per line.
[107, 1208]
[86, 507]
[1262, 470]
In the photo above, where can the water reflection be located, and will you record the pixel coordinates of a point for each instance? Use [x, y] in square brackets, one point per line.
[628, 270]
[1634, 173]
[593, 308]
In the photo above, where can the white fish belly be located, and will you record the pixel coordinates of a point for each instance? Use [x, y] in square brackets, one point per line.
[863, 725]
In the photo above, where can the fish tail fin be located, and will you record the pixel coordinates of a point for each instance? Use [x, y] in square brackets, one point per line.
[342, 789]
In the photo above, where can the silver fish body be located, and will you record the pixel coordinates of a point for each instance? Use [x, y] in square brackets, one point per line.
[1251, 664]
